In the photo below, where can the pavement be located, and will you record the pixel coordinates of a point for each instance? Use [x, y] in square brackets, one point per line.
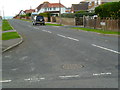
[8, 43]
[58, 57]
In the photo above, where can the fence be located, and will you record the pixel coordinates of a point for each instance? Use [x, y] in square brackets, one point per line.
[91, 22]
[105, 23]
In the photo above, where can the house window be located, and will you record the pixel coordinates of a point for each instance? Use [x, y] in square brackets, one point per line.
[54, 8]
[45, 9]
[50, 8]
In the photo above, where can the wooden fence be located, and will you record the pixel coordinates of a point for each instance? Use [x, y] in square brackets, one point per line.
[105, 23]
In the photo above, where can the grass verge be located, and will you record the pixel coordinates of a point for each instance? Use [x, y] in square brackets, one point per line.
[98, 30]
[50, 24]
[6, 26]
[10, 35]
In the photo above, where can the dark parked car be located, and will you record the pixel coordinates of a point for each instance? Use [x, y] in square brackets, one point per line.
[38, 20]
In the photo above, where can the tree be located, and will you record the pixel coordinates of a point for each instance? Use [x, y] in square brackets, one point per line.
[28, 14]
[111, 9]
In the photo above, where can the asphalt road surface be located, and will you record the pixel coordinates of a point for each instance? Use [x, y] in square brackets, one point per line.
[60, 57]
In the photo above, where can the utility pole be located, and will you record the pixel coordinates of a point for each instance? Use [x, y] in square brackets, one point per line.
[60, 12]
[3, 13]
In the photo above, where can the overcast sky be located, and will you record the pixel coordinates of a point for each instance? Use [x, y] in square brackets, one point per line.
[12, 7]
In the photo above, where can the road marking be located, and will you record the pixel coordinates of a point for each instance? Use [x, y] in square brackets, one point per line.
[46, 31]
[5, 81]
[36, 28]
[98, 74]
[106, 49]
[69, 76]
[34, 79]
[68, 37]
[72, 38]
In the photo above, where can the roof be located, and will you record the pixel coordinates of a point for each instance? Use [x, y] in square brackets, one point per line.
[81, 6]
[49, 5]
[29, 11]
[55, 5]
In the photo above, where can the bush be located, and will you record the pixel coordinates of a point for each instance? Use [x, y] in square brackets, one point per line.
[111, 9]
[73, 15]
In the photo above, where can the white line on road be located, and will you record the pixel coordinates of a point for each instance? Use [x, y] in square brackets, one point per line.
[69, 76]
[98, 74]
[5, 81]
[68, 37]
[46, 31]
[106, 49]
[36, 28]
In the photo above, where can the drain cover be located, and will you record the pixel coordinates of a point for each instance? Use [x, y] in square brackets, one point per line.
[72, 66]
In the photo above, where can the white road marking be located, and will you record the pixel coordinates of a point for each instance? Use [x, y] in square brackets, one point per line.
[99, 74]
[36, 28]
[69, 76]
[34, 79]
[23, 58]
[46, 31]
[72, 38]
[68, 37]
[106, 49]
[5, 81]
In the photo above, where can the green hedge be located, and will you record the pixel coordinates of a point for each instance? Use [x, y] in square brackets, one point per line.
[73, 15]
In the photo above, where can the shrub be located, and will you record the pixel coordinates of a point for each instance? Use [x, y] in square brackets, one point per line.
[111, 9]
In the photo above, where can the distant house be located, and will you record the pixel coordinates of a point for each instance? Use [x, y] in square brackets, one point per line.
[68, 10]
[53, 8]
[78, 7]
[0, 17]
[29, 11]
[22, 12]
[94, 3]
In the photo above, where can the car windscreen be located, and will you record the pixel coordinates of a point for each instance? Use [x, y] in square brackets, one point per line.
[39, 18]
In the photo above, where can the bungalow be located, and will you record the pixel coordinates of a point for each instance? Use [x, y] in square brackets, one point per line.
[29, 11]
[78, 7]
[53, 8]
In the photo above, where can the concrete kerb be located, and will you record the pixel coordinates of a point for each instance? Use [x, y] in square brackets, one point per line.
[14, 45]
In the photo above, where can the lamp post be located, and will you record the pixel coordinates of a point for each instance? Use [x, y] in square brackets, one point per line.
[60, 12]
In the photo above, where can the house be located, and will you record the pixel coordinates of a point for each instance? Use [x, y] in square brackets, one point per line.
[78, 7]
[29, 11]
[68, 10]
[53, 8]
[95, 3]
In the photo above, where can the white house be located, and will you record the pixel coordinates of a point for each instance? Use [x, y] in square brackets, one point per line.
[22, 12]
[53, 8]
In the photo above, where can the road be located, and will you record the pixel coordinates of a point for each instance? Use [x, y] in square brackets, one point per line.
[60, 57]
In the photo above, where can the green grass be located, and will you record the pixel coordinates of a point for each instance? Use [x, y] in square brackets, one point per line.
[98, 30]
[6, 26]
[10, 35]
[50, 24]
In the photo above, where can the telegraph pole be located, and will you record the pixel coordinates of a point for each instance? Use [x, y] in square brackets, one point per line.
[60, 12]
[3, 13]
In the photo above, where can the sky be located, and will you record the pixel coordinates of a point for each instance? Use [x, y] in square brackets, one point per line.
[13, 7]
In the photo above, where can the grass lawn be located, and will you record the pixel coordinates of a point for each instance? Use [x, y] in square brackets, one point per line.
[10, 35]
[6, 26]
[98, 31]
[50, 24]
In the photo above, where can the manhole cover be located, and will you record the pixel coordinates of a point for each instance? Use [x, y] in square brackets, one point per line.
[72, 66]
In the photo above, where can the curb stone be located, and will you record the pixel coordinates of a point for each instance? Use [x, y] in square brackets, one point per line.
[12, 46]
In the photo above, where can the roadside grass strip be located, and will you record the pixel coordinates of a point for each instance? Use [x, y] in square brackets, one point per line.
[50, 24]
[6, 26]
[10, 35]
[97, 30]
